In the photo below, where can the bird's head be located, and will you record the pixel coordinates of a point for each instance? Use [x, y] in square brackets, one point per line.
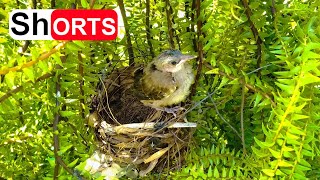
[171, 60]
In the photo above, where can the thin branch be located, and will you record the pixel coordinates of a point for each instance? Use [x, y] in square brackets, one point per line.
[173, 29]
[273, 9]
[81, 83]
[222, 118]
[186, 9]
[25, 46]
[53, 4]
[58, 161]
[31, 63]
[169, 22]
[92, 3]
[200, 50]
[193, 9]
[55, 125]
[126, 27]
[34, 4]
[148, 32]
[255, 34]
[241, 119]
[19, 88]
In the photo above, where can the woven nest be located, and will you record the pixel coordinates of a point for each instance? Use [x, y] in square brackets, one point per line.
[134, 135]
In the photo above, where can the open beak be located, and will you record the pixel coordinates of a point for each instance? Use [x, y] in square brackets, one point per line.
[185, 58]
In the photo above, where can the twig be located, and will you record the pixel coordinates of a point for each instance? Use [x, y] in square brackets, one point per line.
[169, 22]
[222, 118]
[19, 88]
[81, 83]
[273, 9]
[148, 32]
[186, 9]
[55, 129]
[173, 29]
[31, 63]
[241, 120]
[53, 4]
[200, 50]
[92, 3]
[255, 34]
[57, 117]
[25, 46]
[193, 8]
[126, 27]
[34, 4]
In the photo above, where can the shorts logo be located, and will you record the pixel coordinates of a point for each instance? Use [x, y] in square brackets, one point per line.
[63, 24]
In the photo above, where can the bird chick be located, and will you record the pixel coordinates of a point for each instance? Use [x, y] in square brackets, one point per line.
[167, 79]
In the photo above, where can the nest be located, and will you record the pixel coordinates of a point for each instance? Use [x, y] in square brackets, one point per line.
[133, 135]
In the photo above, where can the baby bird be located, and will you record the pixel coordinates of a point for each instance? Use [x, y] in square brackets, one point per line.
[167, 79]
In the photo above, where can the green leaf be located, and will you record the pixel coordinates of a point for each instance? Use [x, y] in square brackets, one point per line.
[210, 171]
[263, 144]
[66, 113]
[307, 153]
[226, 68]
[73, 163]
[259, 153]
[284, 163]
[29, 73]
[65, 149]
[84, 4]
[308, 79]
[213, 71]
[224, 81]
[268, 172]
[288, 89]
[298, 117]
[257, 99]
[9, 78]
[275, 154]
[80, 43]
[216, 172]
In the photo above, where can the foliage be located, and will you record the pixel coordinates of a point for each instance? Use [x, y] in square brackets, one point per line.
[256, 102]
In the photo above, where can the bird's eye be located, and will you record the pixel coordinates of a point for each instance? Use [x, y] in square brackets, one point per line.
[173, 62]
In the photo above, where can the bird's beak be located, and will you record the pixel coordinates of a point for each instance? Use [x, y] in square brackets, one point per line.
[185, 58]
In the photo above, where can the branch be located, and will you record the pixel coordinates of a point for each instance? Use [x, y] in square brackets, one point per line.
[170, 29]
[25, 46]
[222, 118]
[273, 9]
[148, 28]
[57, 117]
[200, 50]
[34, 4]
[173, 29]
[55, 127]
[31, 63]
[126, 27]
[193, 8]
[19, 88]
[92, 3]
[241, 120]
[81, 83]
[255, 33]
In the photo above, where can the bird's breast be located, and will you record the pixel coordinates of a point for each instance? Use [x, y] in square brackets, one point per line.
[158, 84]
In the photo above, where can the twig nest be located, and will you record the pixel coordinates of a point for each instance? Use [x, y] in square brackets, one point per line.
[136, 137]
